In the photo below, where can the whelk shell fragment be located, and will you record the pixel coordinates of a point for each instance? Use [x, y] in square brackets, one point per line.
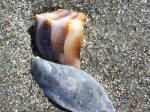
[58, 36]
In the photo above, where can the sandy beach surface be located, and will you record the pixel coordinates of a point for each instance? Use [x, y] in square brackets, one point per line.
[115, 50]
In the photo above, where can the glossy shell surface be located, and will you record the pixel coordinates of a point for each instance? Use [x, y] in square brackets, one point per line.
[58, 36]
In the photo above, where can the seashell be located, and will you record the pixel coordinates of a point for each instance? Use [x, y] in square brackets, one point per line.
[71, 88]
[58, 36]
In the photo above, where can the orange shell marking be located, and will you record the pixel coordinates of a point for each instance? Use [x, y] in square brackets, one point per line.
[59, 36]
